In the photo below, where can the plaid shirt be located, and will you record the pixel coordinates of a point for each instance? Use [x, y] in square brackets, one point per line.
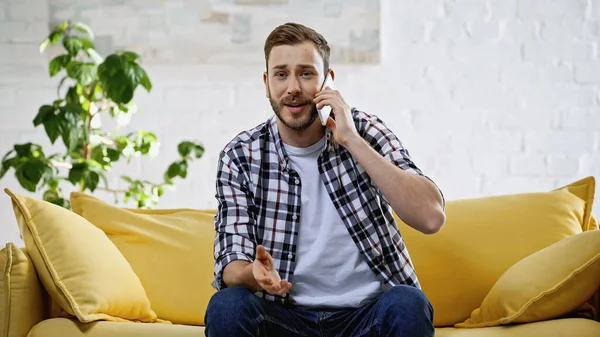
[258, 196]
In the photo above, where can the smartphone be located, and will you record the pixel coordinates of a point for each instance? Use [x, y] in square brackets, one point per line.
[326, 110]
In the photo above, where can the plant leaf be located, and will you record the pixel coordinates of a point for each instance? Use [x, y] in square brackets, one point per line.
[73, 45]
[30, 173]
[44, 44]
[133, 72]
[93, 54]
[77, 172]
[58, 63]
[7, 163]
[83, 28]
[23, 150]
[199, 151]
[71, 137]
[113, 154]
[83, 73]
[145, 81]
[117, 77]
[45, 112]
[53, 127]
[119, 89]
[91, 180]
[73, 96]
[55, 36]
[129, 55]
[172, 171]
[185, 148]
[86, 43]
[110, 67]
[183, 166]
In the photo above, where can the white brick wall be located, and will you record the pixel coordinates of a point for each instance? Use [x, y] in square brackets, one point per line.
[489, 96]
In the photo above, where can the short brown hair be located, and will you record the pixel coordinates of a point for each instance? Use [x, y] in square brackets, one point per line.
[294, 33]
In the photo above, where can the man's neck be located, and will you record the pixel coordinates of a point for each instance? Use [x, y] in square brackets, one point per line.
[304, 138]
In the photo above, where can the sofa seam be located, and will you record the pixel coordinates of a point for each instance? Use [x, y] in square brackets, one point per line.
[569, 277]
[7, 287]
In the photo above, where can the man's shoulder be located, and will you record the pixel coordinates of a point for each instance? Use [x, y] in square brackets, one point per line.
[245, 140]
[364, 120]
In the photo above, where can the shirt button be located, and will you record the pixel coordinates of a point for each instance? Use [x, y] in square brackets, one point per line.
[296, 181]
[290, 256]
[294, 217]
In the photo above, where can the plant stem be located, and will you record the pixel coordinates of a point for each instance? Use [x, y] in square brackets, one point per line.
[87, 153]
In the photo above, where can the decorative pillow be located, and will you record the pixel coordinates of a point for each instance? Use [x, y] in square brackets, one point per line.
[545, 285]
[483, 237]
[20, 293]
[81, 269]
[171, 250]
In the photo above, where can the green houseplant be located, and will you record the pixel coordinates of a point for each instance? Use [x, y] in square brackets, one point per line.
[91, 86]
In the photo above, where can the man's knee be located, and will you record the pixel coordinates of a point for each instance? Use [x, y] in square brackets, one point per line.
[408, 309]
[231, 304]
[409, 297]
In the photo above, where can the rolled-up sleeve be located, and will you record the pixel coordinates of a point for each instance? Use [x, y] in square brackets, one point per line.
[384, 141]
[235, 232]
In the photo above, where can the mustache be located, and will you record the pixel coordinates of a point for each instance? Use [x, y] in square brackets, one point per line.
[295, 100]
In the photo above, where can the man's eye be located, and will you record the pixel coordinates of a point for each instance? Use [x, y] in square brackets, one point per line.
[280, 74]
[306, 74]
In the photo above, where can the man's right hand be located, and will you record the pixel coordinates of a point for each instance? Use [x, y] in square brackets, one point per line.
[265, 274]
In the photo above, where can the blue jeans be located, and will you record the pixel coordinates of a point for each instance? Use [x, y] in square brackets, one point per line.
[400, 311]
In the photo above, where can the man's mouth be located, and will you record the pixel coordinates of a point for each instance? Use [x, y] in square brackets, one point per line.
[295, 108]
[295, 105]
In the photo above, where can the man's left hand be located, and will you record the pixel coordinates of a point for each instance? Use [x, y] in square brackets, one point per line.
[342, 127]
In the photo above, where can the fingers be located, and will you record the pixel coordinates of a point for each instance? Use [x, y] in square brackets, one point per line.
[326, 90]
[330, 124]
[322, 101]
[261, 253]
[280, 289]
[265, 282]
[274, 287]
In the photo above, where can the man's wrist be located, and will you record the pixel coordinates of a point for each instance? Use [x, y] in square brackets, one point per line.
[248, 278]
[353, 142]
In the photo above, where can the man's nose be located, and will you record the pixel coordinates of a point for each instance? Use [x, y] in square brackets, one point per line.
[294, 87]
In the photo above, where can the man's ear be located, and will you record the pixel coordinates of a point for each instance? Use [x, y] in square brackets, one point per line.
[266, 82]
[332, 74]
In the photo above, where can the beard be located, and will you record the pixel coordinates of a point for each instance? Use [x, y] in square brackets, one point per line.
[301, 122]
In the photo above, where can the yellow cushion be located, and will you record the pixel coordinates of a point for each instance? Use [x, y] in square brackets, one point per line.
[20, 294]
[544, 285]
[483, 237]
[170, 250]
[78, 265]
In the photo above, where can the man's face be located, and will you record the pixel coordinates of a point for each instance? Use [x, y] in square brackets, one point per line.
[294, 76]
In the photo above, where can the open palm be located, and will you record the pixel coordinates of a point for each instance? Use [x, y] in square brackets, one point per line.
[266, 275]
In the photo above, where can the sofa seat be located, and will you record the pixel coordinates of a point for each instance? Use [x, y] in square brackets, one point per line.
[64, 327]
[568, 327]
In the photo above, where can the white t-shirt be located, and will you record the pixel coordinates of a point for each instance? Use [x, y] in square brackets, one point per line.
[330, 272]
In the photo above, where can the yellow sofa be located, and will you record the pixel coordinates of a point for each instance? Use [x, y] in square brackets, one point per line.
[512, 265]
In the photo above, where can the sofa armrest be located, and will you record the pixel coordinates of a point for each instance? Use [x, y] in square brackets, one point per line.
[21, 294]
